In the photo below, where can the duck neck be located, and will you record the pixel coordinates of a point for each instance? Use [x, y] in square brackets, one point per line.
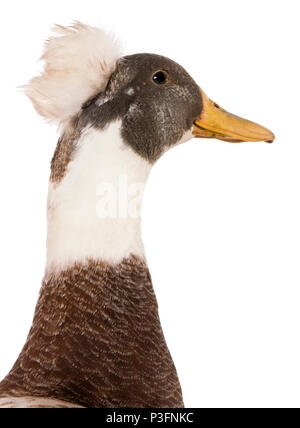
[94, 209]
[96, 338]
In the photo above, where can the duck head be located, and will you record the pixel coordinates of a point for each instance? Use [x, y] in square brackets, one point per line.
[160, 106]
[157, 101]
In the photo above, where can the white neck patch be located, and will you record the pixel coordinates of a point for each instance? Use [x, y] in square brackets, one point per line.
[94, 212]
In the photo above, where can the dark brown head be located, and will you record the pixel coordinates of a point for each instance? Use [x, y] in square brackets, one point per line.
[156, 100]
[160, 106]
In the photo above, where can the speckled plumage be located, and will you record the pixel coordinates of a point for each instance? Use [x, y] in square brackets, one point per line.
[63, 152]
[96, 341]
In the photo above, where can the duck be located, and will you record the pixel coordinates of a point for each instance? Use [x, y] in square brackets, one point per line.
[96, 339]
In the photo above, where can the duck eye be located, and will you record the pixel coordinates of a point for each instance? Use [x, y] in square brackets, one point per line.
[160, 77]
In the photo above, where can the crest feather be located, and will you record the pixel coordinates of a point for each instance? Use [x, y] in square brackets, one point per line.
[79, 61]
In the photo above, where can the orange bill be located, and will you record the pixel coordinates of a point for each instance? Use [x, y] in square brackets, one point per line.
[214, 122]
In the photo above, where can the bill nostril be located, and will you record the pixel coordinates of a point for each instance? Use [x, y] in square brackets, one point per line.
[216, 105]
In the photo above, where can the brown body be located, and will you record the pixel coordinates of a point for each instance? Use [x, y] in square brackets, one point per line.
[96, 341]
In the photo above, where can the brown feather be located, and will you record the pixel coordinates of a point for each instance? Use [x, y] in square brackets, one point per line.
[97, 341]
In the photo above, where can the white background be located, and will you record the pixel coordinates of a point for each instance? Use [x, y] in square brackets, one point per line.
[221, 221]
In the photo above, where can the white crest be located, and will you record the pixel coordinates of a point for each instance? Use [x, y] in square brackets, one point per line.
[79, 60]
